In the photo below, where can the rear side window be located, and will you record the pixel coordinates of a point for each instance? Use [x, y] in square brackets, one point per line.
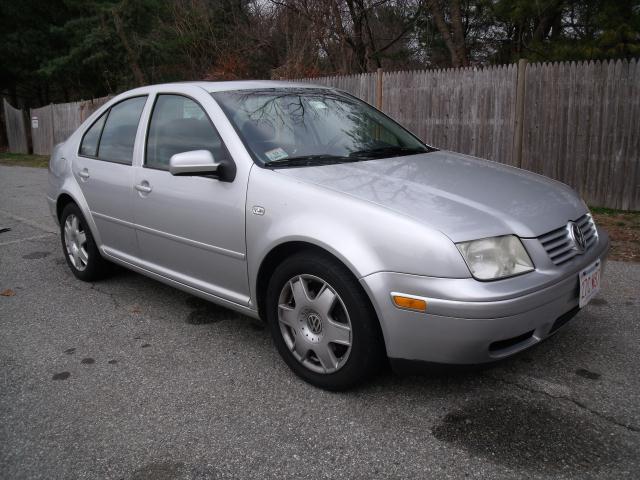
[119, 132]
[89, 145]
[178, 124]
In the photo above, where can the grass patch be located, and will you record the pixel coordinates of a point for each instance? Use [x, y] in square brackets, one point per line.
[624, 232]
[24, 160]
[611, 211]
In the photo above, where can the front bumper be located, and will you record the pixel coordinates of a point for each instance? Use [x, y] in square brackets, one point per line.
[470, 322]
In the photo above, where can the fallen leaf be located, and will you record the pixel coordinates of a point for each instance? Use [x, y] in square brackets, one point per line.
[7, 293]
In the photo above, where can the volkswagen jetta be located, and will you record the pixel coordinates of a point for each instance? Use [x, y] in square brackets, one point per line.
[310, 209]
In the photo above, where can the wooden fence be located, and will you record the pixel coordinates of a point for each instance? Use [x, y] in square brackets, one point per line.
[463, 110]
[54, 123]
[581, 126]
[16, 131]
[573, 121]
[362, 86]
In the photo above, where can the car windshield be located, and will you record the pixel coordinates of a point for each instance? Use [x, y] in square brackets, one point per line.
[310, 126]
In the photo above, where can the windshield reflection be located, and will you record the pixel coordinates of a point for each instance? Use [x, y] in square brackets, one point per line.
[282, 126]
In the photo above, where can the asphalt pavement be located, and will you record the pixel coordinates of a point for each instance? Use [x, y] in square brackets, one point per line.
[130, 379]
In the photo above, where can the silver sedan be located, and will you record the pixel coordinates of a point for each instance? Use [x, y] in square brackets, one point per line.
[308, 208]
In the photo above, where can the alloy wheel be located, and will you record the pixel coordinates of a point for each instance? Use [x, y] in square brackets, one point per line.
[315, 323]
[75, 241]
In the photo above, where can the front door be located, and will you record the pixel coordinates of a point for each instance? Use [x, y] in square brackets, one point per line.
[190, 229]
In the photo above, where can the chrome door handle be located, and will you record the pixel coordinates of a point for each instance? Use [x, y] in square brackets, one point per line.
[144, 187]
[84, 173]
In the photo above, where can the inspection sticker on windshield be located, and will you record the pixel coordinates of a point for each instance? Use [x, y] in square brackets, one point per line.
[276, 154]
[317, 104]
[589, 283]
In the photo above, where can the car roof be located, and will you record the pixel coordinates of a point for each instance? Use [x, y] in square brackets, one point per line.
[244, 85]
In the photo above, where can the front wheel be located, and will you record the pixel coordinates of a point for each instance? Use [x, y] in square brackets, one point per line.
[322, 322]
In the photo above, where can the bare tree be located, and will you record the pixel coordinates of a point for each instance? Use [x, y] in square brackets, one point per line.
[352, 36]
[452, 32]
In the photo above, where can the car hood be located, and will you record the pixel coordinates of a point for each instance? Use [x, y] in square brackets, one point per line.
[463, 197]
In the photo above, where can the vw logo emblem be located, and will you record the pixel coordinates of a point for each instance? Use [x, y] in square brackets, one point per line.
[580, 244]
[314, 322]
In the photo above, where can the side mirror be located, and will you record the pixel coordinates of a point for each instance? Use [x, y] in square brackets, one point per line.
[195, 162]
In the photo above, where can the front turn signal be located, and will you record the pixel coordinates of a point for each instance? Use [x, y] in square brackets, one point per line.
[409, 303]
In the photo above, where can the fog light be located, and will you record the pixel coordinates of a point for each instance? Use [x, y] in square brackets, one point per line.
[409, 302]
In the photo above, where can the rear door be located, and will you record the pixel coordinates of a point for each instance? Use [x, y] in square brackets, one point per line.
[191, 228]
[103, 168]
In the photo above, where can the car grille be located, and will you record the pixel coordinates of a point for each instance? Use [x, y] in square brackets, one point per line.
[559, 244]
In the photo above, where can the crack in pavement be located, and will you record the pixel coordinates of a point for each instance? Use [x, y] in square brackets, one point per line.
[111, 295]
[627, 426]
[121, 306]
[27, 239]
[31, 223]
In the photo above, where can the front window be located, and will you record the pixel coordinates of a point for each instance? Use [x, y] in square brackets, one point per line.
[304, 126]
[178, 124]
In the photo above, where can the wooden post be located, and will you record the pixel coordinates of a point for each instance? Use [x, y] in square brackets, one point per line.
[518, 133]
[379, 89]
[52, 141]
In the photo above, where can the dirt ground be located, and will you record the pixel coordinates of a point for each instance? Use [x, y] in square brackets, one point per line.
[624, 230]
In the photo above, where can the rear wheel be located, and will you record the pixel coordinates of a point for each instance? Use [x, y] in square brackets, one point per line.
[79, 247]
[322, 322]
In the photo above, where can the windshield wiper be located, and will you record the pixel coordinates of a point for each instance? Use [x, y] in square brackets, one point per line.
[307, 160]
[381, 152]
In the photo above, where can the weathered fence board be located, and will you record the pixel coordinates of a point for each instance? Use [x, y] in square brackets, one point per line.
[16, 131]
[89, 106]
[581, 128]
[468, 110]
[53, 124]
[66, 118]
[362, 86]
[42, 129]
[580, 122]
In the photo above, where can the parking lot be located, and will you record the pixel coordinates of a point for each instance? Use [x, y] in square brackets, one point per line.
[131, 379]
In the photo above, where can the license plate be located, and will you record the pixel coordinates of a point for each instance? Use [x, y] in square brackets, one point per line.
[589, 283]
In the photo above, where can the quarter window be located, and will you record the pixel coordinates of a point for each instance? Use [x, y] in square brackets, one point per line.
[178, 124]
[119, 133]
[89, 145]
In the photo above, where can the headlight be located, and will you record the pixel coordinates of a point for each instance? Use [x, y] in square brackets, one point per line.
[495, 257]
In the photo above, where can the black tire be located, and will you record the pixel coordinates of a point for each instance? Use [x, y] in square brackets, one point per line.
[96, 266]
[367, 346]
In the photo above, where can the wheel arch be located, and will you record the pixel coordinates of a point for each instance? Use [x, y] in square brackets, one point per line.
[280, 252]
[65, 198]
[62, 201]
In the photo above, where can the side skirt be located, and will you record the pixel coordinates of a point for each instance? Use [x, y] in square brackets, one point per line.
[185, 288]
